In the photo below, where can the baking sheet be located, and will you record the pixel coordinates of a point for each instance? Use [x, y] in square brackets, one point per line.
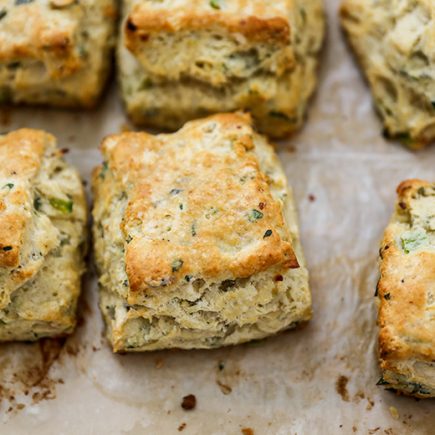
[317, 380]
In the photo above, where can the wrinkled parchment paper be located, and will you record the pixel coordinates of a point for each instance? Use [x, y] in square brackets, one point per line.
[317, 380]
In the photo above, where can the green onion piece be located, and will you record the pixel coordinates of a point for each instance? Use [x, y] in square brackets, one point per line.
[64, 206]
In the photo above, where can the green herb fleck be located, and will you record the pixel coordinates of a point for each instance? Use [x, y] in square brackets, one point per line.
[193, 230]
[188, 278]
[215, 4]
[37, 203]
[211, 212]
[382, 381]
[175, 192]
[8, 186]
[221, 365]
[387, 296]
[181, 206]
[421, 191]
[433, 104]
[129, 239]
[412, 240]
[177, 264]
[3, 13]
[104, 168]
[418, 388]
[7, 248]
[255, 215]
[268, 233]
[64, 206]
[65, 240]
[22, 2]
[377, 289]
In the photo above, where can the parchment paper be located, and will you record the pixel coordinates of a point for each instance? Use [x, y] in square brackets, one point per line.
[317, 380]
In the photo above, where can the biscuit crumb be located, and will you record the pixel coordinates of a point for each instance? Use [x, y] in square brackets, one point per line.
[341, 387]
[311, 197]
[394, 412]
[247, 431]
[182, 427]
[226, 389]
[159, 363]
[189, 402]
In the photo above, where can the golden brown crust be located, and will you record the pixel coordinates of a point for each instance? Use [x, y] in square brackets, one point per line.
[407, 330]
[28, 34]
[143, 20]
[55, 53]
[190, 211]
[20, 167]
[393, 41]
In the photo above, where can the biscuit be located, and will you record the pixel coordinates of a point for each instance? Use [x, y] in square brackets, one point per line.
[406, 293]
[394, 42]
[55, 52]
[42, 234]
[181, 60]
[196, 238]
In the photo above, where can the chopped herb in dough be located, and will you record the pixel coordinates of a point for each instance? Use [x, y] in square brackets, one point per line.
[64, 206]
[176, 265]
[255, 215]
[215, 4]
[268, 233]
[412, 240]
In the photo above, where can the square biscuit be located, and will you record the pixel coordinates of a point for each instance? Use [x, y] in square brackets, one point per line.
[55, 52]
[406, 293]
[394, 41]
[196, 238]
[180, 60]
[42, 237]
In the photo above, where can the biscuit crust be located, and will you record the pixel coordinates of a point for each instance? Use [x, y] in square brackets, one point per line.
[42, 225]
[195, 210]
[406, 292]
[394, 42]
[181, 60]
[55, 52]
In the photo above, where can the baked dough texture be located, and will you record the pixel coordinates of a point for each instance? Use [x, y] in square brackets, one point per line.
[406, 293]
[42, 237]
[182, 59]
[55, 52]
[395, 43]
[196, 238]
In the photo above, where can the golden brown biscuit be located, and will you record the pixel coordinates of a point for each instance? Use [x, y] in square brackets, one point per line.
[196, 238]
[406, 292]
[42, 234]
[179, 60]
[55, 52]
[394, 41]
